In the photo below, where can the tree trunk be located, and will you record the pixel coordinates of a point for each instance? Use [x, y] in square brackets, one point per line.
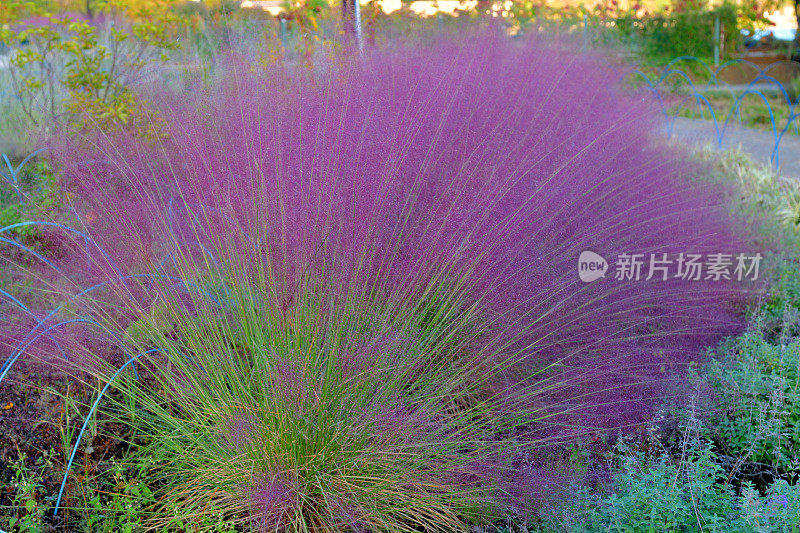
[796, 54]
[89, 9]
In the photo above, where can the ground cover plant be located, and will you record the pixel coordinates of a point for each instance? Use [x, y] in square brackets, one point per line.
[348, 299]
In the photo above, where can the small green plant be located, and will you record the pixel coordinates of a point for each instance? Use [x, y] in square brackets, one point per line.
[31, 190]
[28, 507]
[120, 504]
[120, 498]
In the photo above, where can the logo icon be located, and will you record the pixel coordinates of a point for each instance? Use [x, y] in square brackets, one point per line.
[591, 266]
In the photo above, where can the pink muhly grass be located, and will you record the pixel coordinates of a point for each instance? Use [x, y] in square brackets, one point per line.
[379, 262]
[273, 503]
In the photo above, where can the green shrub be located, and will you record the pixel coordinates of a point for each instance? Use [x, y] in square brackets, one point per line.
[63, 65]
[690, 493]
[31, 193]
[757, 384]
[783, 302]
[671, 35]
[756, 378]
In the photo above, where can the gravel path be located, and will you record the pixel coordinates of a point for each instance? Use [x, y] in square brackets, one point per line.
[759, 144]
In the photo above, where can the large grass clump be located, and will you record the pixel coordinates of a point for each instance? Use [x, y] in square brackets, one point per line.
[349, 299]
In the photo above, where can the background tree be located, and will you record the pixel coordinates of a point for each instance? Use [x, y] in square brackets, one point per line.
[796, 55]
